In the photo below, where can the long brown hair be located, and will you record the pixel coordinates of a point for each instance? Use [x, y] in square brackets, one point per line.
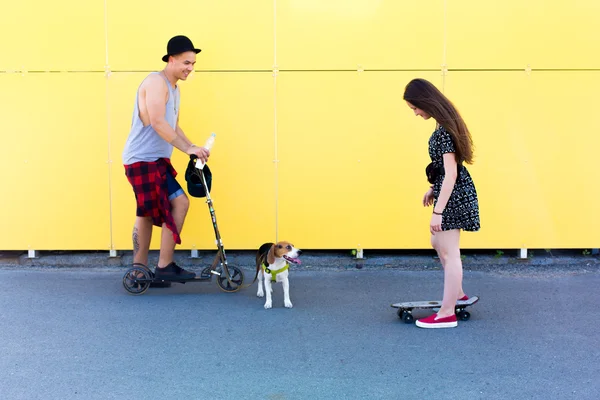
[424, 95]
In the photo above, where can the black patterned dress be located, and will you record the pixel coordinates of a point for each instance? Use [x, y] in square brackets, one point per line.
[462, 210]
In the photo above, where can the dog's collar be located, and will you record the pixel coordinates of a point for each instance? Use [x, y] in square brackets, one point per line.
[274, 272]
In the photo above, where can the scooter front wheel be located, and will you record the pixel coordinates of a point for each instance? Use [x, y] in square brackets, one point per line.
[234, 283]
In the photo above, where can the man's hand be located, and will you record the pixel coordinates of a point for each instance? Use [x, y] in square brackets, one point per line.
[199, 152]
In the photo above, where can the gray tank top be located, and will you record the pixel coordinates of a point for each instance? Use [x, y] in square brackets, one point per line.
[144, 143]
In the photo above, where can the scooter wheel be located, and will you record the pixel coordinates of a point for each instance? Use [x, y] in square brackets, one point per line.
[234, 283]
[137, 280]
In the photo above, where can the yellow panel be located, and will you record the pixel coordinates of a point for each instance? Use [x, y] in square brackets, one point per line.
[54, 162]
[238, 107]
[515, 33]
[352, 161]
[562, 157]
[232, 34]
[534, 144]
[375, 34]
[498, 120]
[52, 35]
[565, 34]
[351, 154]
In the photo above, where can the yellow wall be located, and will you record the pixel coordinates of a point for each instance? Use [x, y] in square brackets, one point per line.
[314, 143]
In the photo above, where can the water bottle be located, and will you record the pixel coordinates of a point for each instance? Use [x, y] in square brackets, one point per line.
[208, 145]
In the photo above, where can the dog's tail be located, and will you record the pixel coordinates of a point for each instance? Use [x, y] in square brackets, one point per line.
[261, 256]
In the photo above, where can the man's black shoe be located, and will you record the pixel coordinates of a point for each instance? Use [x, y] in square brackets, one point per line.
[172, 272]
[158, 284]
[152, 284]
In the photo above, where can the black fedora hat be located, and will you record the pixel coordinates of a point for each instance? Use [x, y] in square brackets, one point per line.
[177, 45]
[194, 181]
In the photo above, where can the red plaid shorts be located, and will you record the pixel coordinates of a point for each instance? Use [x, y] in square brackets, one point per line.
[149, 182]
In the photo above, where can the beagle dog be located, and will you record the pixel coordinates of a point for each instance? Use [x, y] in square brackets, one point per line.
[272, 263]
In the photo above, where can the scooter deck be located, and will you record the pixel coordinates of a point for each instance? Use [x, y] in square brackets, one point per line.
[196, 279]
[205, 275]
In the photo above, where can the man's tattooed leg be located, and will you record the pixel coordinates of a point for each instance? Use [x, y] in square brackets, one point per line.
[136, 242]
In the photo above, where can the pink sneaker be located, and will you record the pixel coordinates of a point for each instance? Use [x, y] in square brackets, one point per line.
[433, 322]
[464, 298]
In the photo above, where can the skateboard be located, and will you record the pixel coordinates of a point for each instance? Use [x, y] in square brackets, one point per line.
[405, 309]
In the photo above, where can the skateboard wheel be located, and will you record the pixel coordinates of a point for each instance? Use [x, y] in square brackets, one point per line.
[408, 318]
[400, 313]
[464, 315]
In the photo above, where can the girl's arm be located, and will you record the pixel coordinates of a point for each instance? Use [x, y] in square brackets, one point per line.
[451, 173]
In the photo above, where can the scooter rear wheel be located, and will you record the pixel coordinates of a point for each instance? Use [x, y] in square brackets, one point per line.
[137, 280]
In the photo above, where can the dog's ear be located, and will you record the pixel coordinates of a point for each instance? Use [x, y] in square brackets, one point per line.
[271, 255]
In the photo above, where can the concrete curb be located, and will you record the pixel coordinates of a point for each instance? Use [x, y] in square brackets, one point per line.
[540, 262]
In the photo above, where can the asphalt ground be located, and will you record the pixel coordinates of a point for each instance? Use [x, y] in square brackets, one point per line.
[72, 332]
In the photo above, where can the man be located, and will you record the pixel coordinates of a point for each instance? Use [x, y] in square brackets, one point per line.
[154, 133]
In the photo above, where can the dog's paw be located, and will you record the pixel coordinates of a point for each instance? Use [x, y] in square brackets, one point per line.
[288, 304]
[260, 293]
[268, 305]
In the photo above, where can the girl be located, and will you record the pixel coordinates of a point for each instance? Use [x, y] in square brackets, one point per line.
[452, 192]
